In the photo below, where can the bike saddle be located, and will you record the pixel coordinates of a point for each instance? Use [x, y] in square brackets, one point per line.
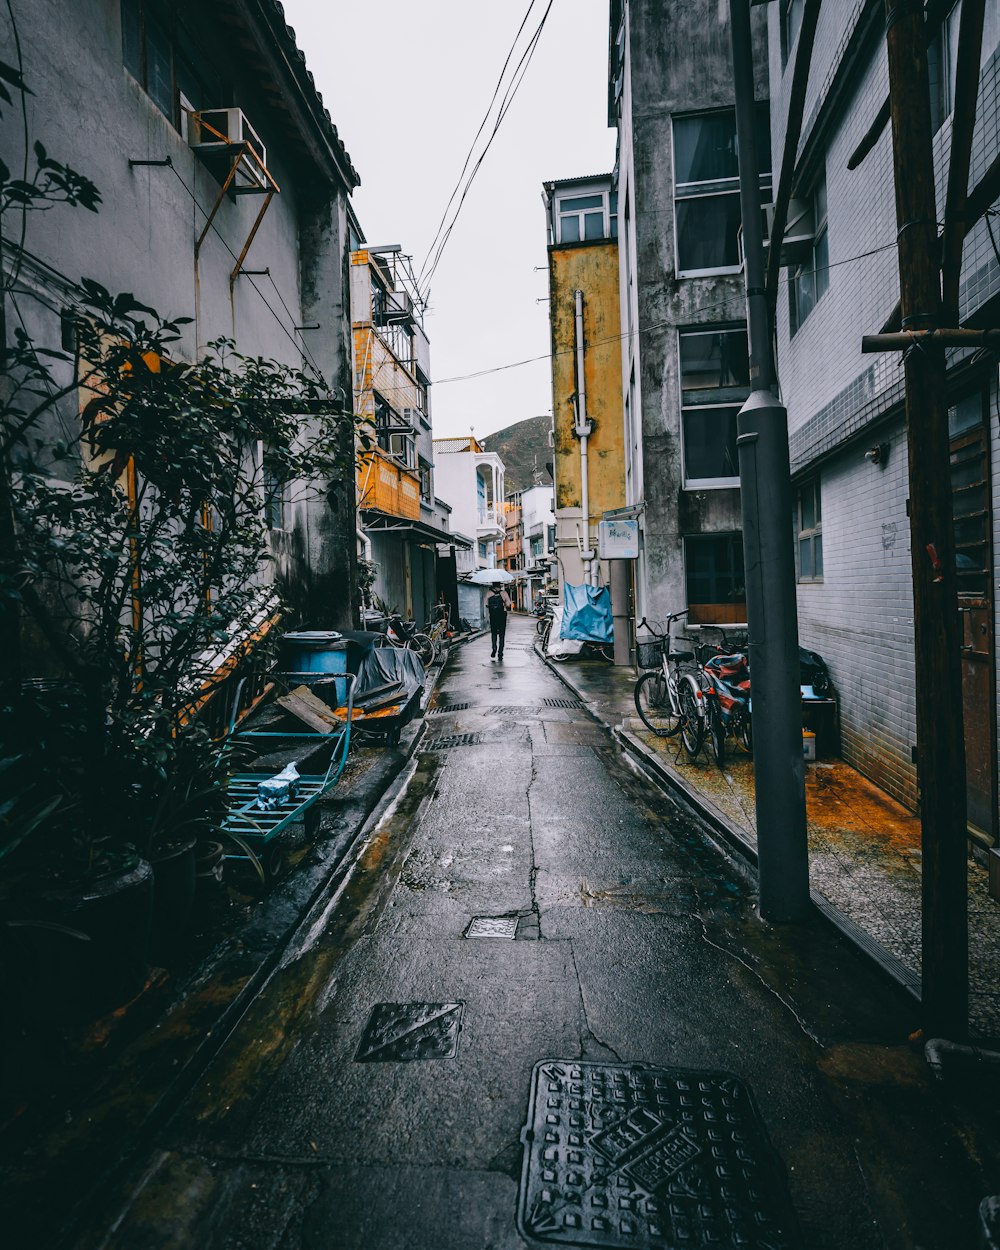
[681, 655]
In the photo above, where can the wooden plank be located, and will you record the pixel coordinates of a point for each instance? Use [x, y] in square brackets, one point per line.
[306, 707]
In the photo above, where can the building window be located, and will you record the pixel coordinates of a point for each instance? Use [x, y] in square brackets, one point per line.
[165, 62]
[791, 20]
[942, 57]
[808, 280]
[970, 495]
[274, 496]
[590, 216]
[809, 531]
[715, 381]
[482, 551]
[716, 588]
[707, 189]
[426, 488]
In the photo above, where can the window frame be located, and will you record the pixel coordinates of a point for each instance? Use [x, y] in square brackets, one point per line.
[695, 616]
[716, 399]
[713, 187]
[821, 237]
[811, 535]
[609, 210]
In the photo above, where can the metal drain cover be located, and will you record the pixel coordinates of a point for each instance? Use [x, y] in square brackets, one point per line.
[493, 927]
[442, 708]
[628, 1155]
[400, 1032]
[562, 703]
[453, 740]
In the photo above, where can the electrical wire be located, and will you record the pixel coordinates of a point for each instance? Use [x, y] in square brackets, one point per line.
[658, 325]
[472, 146]
[508, 100]
[296, 343]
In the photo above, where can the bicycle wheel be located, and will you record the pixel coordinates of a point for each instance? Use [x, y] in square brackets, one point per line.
[541, 625]
[424, 647]
[652, 702]
[742, 726]
[716, 730]
[692, 722]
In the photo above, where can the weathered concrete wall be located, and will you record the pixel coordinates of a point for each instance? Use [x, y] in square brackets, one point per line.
[592, 268]
[89, 111]
[679, 62]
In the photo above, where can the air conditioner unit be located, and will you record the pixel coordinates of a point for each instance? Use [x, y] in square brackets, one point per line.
[398, 307]
[220, 132]
[410, 416]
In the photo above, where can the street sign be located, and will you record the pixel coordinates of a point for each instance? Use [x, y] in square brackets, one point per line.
[618, 540]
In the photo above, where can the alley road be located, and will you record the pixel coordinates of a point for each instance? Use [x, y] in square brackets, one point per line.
[321, 1126]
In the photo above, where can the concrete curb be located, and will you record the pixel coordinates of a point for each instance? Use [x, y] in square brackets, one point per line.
[242, 963]
[734, 839]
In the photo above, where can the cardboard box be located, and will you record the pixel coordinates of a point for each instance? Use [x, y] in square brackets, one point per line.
[808, 746]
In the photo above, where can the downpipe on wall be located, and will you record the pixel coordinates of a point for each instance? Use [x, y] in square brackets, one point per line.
[583, 429]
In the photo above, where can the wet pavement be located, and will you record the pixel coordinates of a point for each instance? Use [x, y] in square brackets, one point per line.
[864, 847]
[542, 1011]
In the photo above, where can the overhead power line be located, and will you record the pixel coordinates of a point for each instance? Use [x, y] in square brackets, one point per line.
[441, 238]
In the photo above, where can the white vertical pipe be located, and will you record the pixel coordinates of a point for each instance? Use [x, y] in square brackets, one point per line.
[583, 429]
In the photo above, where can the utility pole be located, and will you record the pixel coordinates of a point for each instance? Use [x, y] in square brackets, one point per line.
[937, 671]
[766, 493]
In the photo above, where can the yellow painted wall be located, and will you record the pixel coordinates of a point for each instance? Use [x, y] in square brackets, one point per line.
[593, 269]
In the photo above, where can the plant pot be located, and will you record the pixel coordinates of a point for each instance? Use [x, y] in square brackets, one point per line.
[175, 880]
[86, 942]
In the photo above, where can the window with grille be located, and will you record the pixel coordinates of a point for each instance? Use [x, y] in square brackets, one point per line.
[715, 381]
[809, 531]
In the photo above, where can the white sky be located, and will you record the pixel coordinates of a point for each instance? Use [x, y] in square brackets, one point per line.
[407, 83]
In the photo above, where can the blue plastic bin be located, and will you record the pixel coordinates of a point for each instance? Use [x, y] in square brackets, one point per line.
[317, 651]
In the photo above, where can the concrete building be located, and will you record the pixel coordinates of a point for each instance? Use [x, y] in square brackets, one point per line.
[225, 198]
[401, 520]
[587, 425]
[471, 481]
[528, 548]
[683, 337]
[846, 422]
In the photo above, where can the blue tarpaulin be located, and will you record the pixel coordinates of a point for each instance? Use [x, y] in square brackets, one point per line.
[587, 614]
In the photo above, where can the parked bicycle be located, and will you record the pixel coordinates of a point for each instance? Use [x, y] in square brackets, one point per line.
[406, 636]
[438, 627]
[725, 672]
[669, 696]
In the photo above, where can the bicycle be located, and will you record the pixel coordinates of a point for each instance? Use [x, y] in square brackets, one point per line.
[405, 636]
[669, 697]
[438, 627]
[725, 676]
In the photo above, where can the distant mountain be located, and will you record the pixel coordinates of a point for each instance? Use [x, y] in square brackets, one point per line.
[524, 449]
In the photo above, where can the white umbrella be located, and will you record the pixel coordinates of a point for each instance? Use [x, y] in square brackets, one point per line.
[491, 577]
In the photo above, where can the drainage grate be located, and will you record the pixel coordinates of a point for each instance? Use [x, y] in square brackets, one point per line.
[453, 740]
[442, 708]
[562, 703]
[492, 927]
[514, 709]
[401, 1032]
[623, 1155]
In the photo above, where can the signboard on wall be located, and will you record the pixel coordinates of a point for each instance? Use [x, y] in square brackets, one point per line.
[618, 540]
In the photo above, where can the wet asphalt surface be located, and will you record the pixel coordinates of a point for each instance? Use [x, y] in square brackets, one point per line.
[636, 941]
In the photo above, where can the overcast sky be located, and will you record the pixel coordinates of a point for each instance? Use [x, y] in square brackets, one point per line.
[407, 83]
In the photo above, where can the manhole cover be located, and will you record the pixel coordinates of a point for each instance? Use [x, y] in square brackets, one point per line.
[400, 1032]
[492, 927]
[562, 703]
[453, 740]
[448, 707]
[635, 1156]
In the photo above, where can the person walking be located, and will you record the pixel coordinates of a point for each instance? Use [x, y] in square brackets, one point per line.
[498, 605]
